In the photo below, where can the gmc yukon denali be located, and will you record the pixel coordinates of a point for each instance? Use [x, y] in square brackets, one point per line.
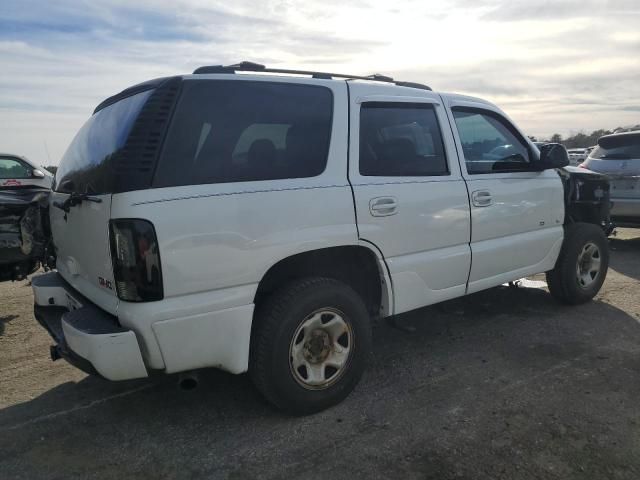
[255, 219]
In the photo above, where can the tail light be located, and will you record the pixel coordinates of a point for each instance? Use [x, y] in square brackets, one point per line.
[136, 260]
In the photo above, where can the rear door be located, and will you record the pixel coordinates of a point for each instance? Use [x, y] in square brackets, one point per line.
[411, 201]
[516, 213]
[81, 233]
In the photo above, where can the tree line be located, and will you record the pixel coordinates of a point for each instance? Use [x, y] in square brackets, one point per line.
[583, 140]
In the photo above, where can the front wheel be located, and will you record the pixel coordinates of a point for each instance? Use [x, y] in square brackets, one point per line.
[582, 265]
[310, 345]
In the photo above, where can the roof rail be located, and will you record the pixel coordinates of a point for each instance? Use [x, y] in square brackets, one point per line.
[256, 67]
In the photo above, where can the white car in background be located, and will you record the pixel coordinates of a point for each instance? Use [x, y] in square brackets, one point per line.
[577, 155]
[17, 171]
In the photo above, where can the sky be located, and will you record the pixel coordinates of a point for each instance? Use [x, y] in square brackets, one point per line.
[554, 66]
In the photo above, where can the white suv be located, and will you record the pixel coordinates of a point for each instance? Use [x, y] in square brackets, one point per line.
[254, 219]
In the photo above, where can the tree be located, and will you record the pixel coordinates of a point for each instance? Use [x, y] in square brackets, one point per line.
[556, 138]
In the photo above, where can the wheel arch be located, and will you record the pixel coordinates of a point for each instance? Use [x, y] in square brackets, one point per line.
[361, 266]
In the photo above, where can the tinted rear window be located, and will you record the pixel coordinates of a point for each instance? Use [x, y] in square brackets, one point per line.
[618, 148]
[87, 165]
[233, 131]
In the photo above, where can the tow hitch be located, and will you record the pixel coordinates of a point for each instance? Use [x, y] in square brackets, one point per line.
[54, 351]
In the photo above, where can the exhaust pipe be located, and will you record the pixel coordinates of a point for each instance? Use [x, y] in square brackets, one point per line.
[188, 380]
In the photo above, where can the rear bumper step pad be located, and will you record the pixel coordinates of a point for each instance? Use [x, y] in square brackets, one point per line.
[88, 337]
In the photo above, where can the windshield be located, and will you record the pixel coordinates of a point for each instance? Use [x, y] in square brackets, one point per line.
[87, 165]
[617, 148]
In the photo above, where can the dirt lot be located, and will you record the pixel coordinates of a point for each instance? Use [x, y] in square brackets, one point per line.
[502, 384]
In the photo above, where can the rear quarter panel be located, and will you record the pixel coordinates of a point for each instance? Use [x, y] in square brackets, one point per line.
[219, 236]
[216, 243]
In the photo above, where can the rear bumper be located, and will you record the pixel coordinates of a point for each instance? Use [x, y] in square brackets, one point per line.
[86, 336]
[51, 319]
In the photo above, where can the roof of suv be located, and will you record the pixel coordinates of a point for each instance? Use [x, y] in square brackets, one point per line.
[255, 69]
[258, 69]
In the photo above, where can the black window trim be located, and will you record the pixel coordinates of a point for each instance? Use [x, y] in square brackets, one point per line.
[409, 104]
[507, 124]
[178, 102]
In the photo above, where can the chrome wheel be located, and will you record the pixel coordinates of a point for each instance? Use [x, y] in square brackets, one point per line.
[588, 267]
[320, 349]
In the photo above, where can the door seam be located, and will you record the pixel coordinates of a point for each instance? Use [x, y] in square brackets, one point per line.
[466, 186]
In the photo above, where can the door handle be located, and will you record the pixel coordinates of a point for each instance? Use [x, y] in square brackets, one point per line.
[481, 198]
[383, 206]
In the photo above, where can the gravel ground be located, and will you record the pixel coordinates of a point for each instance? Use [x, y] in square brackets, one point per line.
[501, 384]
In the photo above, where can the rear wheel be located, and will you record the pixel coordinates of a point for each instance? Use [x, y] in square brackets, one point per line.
[582, 265]
[310, 345]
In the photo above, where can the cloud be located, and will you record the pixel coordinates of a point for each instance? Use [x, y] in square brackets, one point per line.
[554, 66]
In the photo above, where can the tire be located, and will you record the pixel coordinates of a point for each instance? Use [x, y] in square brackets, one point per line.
[307, 324]
[574, 279]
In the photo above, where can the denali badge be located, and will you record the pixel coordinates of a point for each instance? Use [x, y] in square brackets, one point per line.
[105, 283]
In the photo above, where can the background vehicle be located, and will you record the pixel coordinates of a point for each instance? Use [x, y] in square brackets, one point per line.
[589, 150]
[577, 155]
[618, 156]
[24, 194]
[17, 171]
[258, 221]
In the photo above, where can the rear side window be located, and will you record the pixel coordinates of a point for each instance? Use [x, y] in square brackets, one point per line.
[11, 168]
[400, 139]
[234, 131]
[490, 143]
[87, 165]
[622, 147]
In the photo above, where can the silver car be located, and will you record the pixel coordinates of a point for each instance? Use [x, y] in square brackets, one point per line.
[618, 156]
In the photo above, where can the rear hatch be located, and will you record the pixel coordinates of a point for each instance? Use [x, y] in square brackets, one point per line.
[618, 156]
[113, 152]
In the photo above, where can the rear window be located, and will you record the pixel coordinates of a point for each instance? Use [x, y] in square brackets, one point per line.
[617, 148]
[87, 165]
[233, 131]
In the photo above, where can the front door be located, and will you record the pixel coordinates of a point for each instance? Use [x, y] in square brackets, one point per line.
[411, 201]
[516, 213]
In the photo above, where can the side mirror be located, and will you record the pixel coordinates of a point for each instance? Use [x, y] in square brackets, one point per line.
[552, 155]
[35, 173]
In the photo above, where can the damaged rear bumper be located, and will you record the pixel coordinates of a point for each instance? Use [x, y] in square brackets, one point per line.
[86, 336]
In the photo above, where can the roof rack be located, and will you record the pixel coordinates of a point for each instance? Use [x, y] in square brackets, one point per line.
[256, 67]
